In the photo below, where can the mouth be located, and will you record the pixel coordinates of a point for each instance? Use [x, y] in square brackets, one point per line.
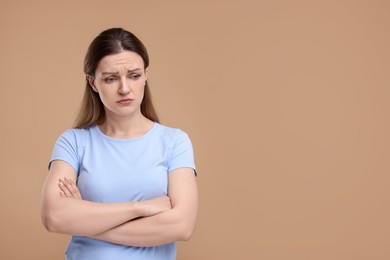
[125, 101]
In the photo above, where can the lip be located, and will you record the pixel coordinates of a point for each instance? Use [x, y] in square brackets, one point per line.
[125, 101]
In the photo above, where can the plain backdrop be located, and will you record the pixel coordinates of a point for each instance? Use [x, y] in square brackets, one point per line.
[286, 103]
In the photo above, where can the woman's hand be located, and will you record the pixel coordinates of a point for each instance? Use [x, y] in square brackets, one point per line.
[154, 206]
[69, 189]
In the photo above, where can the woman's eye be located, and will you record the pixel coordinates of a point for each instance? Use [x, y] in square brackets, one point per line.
[109, 80]
[135, 76]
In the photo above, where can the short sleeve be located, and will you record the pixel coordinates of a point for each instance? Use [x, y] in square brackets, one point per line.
[182, 155]
[65, 149]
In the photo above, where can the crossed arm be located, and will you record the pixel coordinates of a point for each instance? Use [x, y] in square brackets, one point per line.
[152, 222]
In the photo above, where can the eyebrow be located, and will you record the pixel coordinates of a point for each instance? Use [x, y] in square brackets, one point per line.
[110, 73]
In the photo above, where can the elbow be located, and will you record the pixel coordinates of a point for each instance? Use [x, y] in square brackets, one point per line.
[185, 226]
[185, 236]
[186, 231]
[49, 222]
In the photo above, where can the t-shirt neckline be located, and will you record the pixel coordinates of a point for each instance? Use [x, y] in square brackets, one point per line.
[120, 140]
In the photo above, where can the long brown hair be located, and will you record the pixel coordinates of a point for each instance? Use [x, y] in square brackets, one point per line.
[111, 41]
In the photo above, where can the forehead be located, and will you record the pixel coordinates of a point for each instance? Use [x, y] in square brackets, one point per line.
[126, 59]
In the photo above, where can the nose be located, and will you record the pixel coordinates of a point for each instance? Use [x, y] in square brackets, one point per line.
[124, 87]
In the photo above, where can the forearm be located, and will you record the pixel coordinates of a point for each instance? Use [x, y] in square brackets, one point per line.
[64, 211]
[85, 218]
[163, 228]
[175, 224]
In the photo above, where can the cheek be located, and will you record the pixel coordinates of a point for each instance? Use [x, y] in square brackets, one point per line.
[140, 90]
[105, 95]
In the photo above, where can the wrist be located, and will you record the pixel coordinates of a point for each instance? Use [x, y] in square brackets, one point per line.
[138, 209]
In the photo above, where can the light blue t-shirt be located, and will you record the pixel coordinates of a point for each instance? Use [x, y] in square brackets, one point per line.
[121, 170]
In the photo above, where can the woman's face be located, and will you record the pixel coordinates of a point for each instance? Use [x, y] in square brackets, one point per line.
[120, 81]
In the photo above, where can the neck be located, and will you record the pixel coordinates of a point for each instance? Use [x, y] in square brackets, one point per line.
[129, 127]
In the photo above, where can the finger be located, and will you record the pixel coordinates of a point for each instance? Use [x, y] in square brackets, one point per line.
[64, 188]
[69, 187]
[73, 189]
[76, 189]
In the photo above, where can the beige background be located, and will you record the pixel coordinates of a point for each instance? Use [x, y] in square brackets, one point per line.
[286, 102]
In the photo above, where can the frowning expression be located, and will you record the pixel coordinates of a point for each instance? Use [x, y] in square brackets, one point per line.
[120, 81]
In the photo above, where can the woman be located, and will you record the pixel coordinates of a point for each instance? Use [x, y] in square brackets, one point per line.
[120, 183]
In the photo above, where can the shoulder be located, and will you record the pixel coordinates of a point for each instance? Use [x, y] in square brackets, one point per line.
[171, 133]
[76, 132]
[180, 153]
[75, 135]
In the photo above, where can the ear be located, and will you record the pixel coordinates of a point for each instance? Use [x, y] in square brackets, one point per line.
[91, 82]
[146, 74]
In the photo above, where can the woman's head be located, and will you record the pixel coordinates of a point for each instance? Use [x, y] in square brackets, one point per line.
[110, 42]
